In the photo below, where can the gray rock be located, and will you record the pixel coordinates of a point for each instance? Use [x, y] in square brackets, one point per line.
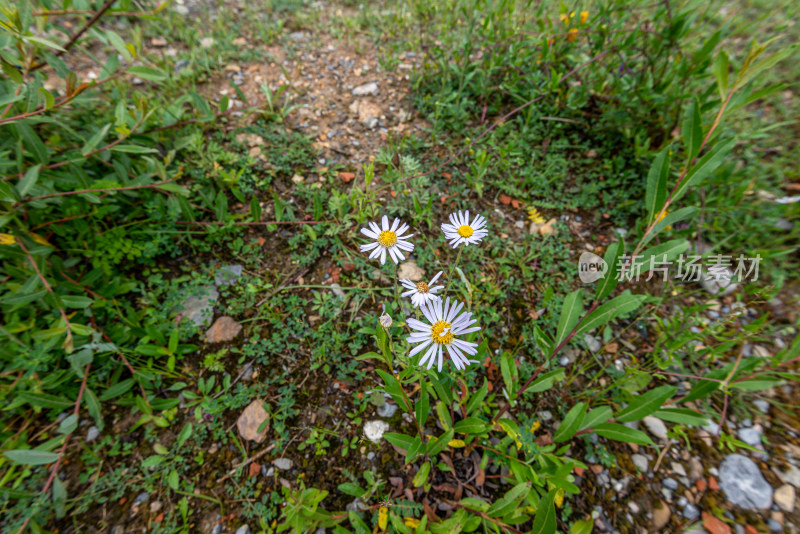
[92, 434]
[592, 342]
[338, 291]
[244, 529]
[545, 415]
[368, 89]
[670, 483]
[655, 426]
[774, 525]
[142, 498]
[227, 275]
[298, 37]
[387, 410]
[761, 405]
[695, 469]
[217, 529]
[199, 308]
[790, 476]
[691, 512]
[284, 464]
[743, 483]
[641, 462]
[719, 281]
[370, 455]
[678, 469]
[751, 436]
[375, 429]
[563, 361]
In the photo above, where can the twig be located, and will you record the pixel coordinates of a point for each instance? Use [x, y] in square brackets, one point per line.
[84, 28]
[217, 223]
[245, 463]
[47, 286]
[106, 190]
[54, 470]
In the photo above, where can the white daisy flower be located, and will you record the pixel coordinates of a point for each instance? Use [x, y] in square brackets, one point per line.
[462, 231]
[387, 239]
[421, 292]
[445, 325]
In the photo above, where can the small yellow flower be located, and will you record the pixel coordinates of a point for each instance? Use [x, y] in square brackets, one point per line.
[535, 217]
[535, 426]
[383, 517]
[660, 217]
[411, 522]
[584, 17]
[457, 443]
[572, 35]
[7, 239]
[566, 18]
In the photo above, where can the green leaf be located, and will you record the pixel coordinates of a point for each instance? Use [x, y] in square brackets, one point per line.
[31, 457]
[476, 398]
[392, 387]
[92, 143]
[643, 405]
[656, 192]
[119, 45]
[173, 479]
[352, 489]
[584, 526]
[134, 149]
[401, 441]
[571, 312]
[148, 73]
[508, 370]
[544, 522]
[705, 167]
[671, 219]
[692, 130]
[153, 461]
[619, 305]
[117, 389]
[28, 180]
[439, 444]
[72, 301]
[619, 432]
[68, 424]
[682, 416]
[596, 416]
[43, 42]
[59, 497]
[613, 253]
[571, 423]
[510, 500]
[422, 475]
[546, 381]
[93, 406]
[443, 414]
[471, 425]
[43, 400]
[184, 435]
[658, 255]
[32, 142]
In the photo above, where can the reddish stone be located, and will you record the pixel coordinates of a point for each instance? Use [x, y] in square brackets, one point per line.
[578, 470]
[255, 469]
[701, 485]
[712, 483]
[347, 176]
[750, 529]
[515, 203]
[714, 525]
[349, 267]
[159, 518]
[505, 199]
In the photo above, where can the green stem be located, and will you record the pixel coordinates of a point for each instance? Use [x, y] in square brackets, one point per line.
[453, 268]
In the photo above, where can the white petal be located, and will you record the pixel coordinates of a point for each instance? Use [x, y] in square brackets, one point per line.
[419, 348]
[369, 246]
[395, 224]
[435, 278]
[384, 223]
[369, 233]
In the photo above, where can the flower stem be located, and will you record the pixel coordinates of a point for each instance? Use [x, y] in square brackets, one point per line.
[453, 268]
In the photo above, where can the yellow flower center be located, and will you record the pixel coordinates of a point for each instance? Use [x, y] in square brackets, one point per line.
[465, 230]
[441, 333]
[387, 239]
[422, 287]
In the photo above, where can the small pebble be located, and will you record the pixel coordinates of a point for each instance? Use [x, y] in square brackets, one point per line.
[670, 483]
